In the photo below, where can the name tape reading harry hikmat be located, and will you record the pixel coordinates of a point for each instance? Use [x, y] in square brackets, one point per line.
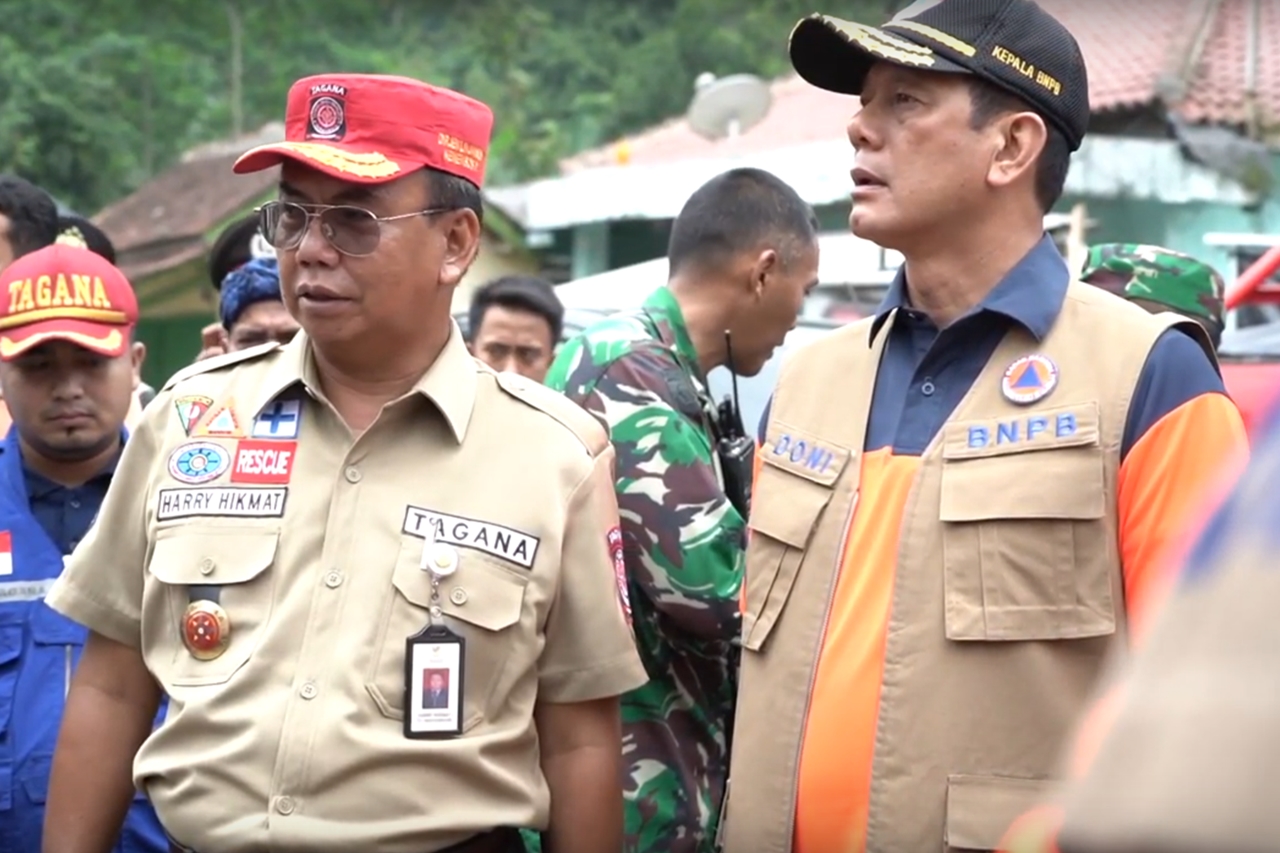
[227, 501]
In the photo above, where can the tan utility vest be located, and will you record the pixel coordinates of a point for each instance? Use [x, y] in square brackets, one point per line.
[1007, 594]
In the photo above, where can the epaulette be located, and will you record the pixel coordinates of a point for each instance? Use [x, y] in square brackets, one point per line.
[558, 407]
[218, 362]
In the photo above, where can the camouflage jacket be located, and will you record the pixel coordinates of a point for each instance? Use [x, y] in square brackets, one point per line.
[683, 544]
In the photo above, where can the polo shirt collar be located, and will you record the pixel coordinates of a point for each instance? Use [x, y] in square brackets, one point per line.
[1031, 294]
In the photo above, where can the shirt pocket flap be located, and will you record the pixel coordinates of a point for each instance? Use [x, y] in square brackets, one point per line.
[1060, 484]
[51, 628]
[981, 809]
[212, 557]
[479, 592]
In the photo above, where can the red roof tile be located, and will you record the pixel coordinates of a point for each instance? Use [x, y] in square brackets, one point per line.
[1135, 50]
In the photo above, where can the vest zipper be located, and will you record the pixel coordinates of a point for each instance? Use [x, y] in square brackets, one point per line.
[66, 676]
[817, 655]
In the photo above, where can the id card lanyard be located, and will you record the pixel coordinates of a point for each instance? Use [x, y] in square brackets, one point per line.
[434, 658]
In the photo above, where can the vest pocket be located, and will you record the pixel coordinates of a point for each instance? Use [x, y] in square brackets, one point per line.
[1027, 551]
[785, 511]
[980, 809]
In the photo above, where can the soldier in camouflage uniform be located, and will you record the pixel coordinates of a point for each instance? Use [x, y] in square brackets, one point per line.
[1159, 280]
[743, 254]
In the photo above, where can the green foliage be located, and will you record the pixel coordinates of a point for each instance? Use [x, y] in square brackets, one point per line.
[96, 96]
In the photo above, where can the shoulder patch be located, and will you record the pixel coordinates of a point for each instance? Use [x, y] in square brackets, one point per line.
[218, 362]
[570, 415]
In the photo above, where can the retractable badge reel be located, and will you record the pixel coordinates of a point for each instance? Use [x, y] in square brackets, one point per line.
[434, 658]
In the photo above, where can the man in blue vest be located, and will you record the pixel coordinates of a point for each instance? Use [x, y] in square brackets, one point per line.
[68, 367]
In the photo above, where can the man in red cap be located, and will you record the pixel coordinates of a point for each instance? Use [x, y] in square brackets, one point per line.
[69, 367]
[300, 533]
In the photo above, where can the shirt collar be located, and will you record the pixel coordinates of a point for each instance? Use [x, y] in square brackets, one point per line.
[668, 320]
[1031, 294]
[450, 382]
[40, 486]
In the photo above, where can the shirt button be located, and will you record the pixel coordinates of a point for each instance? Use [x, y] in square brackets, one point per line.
[206, 566]
[75, 504]
[284, 805]
[928, 388]
[458, 596]
[352, 474]
[309, 691]
[333, 579]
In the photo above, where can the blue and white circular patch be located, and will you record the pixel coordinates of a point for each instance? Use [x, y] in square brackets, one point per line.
[198, 462]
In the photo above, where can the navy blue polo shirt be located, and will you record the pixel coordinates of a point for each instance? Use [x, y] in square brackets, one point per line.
[65, 513]
[926, 371]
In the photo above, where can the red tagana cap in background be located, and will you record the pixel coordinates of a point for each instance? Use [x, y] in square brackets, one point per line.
[65, 293]
[372, 128]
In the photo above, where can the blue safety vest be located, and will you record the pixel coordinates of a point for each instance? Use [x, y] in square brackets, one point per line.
[38, 652]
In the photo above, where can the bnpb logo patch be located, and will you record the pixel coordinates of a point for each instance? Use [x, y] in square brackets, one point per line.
[1029, 379]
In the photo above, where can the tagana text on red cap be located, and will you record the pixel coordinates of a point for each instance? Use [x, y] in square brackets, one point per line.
[65, 293]
[372, 128]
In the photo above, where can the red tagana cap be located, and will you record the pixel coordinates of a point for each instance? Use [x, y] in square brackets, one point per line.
[372, 128]
[65, 293]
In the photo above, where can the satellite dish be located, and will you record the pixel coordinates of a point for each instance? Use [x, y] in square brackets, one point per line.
[725, 107]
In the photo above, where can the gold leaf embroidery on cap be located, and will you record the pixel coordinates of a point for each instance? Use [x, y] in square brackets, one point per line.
[937, 35]
[372, 165]
[888, 47]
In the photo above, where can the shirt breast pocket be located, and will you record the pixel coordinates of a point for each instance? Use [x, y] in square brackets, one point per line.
[1028, 552]
[232, 564]
[785, 510]
[482, 602]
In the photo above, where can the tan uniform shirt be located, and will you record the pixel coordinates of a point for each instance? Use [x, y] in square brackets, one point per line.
[292, 738]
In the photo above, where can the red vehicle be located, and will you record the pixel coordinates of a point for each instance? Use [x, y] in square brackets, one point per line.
[1250, 356]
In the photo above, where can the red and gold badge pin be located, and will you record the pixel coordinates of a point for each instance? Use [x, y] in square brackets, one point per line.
[206, 630]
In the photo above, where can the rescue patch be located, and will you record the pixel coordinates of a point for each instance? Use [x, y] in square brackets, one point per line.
[220, 502]
[327, 112]
[223, 423]
[504, 542]
[614, 539]
[190, 410]
[279, 420]
[198, 462]
[1029, 379]
[263, 462]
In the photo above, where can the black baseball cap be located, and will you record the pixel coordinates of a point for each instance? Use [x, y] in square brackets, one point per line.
[238, 244]
[1012, 44]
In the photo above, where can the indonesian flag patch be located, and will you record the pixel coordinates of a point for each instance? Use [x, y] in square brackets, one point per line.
[6, 552]
[620, 569]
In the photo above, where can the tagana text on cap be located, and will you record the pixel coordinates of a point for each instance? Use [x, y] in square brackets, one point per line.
[1013, 44]
[372, 128]
[65, 293]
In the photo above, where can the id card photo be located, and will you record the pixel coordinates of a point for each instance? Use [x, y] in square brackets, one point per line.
[434, 705]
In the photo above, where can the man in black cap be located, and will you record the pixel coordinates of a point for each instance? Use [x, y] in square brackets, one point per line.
[961, 500]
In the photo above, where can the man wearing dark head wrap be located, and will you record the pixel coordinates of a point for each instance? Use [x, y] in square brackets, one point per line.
[251, 309]
[257, 320]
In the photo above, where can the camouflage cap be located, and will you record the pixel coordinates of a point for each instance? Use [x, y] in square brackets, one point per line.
[1154, 274]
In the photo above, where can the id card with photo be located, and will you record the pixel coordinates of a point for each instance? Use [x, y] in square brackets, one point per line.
[433, 684]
